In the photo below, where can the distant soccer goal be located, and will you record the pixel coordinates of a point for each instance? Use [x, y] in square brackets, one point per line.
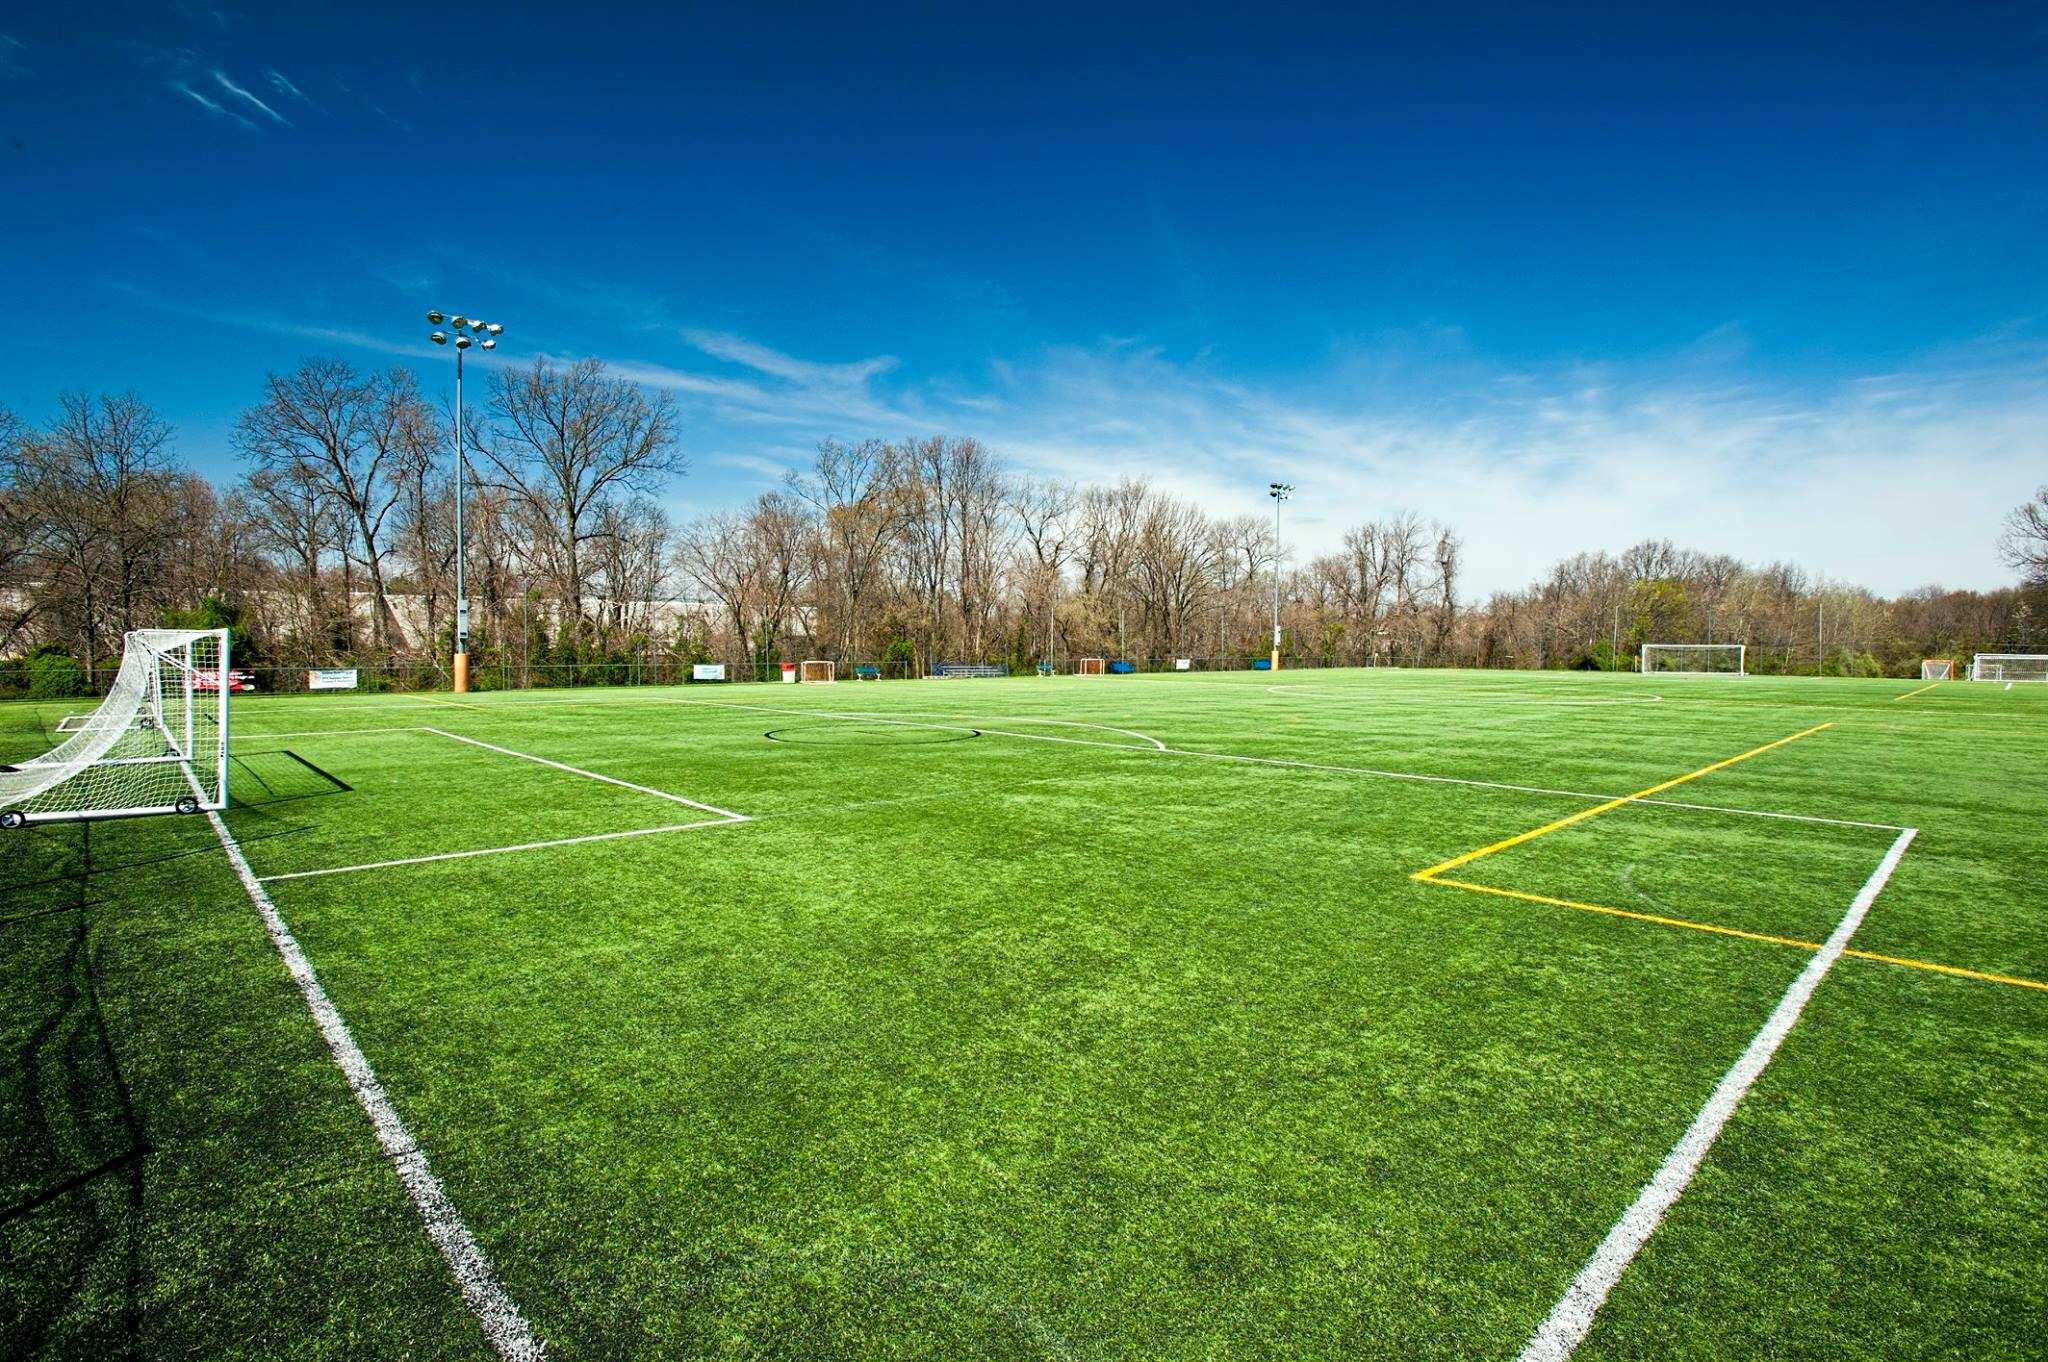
[1937, 669]
[1698, 659]
[2009, 667]
[1090, 666]
[818, 669]
[157, 744]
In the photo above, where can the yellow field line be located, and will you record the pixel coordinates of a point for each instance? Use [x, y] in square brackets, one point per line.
[1911, 693]
[1692, 926]
[1583, 814]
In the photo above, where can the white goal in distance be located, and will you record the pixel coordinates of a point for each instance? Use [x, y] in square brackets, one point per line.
[157, 744]
[1704, 659]
[1090, 666]
[2009, 667]
[818, 669]
[1937, 669]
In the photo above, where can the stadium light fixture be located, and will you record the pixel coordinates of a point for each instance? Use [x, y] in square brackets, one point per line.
[1279, 491]
[491, 330]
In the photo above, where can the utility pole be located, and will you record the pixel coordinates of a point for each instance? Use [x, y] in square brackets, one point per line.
[1279, 491]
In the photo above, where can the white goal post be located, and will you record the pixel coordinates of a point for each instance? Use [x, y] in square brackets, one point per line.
[2009, 667]
[1937, 669]
[1090, 666]
[157, 744]
[1701, 659]
[818, 669]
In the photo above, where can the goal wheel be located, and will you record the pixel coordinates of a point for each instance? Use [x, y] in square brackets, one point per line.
[187, 804]
[13, 818]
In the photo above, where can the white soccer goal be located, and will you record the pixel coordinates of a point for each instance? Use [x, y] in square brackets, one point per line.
[818, 669]
[157, 744]
[1702, 659]
[1937, 669]
[1090, 666]
[2009, 667]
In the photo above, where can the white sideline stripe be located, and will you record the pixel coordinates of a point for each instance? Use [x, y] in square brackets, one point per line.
[500, 851]
[494, 1309]
[1571, 1319]
[579, 771]
[1310, 766]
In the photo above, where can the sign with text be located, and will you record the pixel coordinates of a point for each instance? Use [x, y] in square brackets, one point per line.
[707, 671]
[331, 678]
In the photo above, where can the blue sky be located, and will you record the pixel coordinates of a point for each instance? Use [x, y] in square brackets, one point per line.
[1563, 277]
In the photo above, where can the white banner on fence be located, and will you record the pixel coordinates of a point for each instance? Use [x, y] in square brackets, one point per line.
[1183, 664]
[331, 678]
[707, 671]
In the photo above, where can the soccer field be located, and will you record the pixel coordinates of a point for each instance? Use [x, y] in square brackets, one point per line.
[1313, 1015]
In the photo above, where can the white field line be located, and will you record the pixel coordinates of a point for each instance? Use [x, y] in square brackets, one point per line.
[1571, 1319]
[500, 851]
[1309, 766]
[330, 733]
[593, 775]
[1071, 723]
[1468, 697]
[494, 1309]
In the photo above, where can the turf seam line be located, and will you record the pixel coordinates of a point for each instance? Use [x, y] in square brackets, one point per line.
[1911, 693]
[593, 775]
[1571, 1319]
[507, 1330]
[500, 851]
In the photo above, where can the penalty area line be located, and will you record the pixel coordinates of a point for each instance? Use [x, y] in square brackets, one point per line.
[504, 850]
[1571, 1319]
[503, 1325]
[592, 775]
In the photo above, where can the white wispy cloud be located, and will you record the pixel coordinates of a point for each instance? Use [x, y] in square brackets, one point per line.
[209, 105]
[282, 83]
[1892, 480]
[13, 55]
[221, 78]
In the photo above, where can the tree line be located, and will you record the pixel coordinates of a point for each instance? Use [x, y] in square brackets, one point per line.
[335, 544]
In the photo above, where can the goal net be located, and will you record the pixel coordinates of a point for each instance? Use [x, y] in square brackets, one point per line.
[2009, 667]
[816, 670]
[1937, 669]
[157, 744]
[1721, 659]
[1090, 666]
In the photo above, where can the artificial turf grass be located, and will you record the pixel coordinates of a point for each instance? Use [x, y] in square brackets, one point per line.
[994, 1072]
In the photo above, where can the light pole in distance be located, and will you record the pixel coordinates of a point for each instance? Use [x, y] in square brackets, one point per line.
[489, 332]
[1279, 491]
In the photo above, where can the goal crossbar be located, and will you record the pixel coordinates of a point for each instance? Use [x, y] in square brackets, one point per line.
[158, 743]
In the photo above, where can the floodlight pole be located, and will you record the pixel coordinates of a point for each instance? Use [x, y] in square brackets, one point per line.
[461, 558]
[1279, 491]
[489, 331]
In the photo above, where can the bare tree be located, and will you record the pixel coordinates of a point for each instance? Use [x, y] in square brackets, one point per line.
[570, 439]
[850, 490]
[353, 436]
[2024, 545]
